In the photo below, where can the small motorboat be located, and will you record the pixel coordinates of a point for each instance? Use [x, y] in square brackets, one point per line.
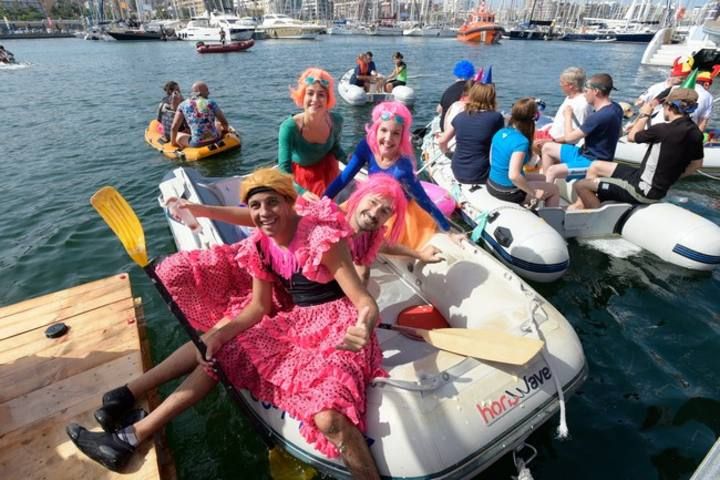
[355, 95]
[519, 238]
[202, 47]
[438, 415]
[155, 136]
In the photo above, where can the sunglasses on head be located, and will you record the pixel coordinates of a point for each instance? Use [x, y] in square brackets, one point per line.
[321, 81]
[386, 115]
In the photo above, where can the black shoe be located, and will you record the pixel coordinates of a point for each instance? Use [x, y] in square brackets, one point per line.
[105, 448]
[112, 424]
[117, 405]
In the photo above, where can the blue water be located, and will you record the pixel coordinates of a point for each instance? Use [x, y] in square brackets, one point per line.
[73, 121]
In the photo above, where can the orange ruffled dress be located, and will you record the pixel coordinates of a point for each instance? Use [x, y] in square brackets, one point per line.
[289, 358]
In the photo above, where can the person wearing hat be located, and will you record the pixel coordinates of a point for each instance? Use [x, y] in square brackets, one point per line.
[675, 150]
[463, 70]
[679, 75]
[600, 131]
[313, 358]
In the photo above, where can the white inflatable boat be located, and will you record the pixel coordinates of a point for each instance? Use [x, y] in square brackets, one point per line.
[673, 233]
[355, 95]
[438, 415]
[519, 238]
[633, 153]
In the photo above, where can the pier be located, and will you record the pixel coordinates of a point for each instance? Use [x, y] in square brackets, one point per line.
[45, 383]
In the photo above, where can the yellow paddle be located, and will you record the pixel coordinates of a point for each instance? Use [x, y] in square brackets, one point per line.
[123, 221]
[483, 343]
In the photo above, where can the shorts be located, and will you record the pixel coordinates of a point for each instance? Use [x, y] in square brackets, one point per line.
[577, 164]
[397, 83]
[508, 194]
[621, 187]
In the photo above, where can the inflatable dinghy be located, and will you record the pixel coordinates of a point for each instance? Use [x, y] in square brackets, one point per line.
[438, 415]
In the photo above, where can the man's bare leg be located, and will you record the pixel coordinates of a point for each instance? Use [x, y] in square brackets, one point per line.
[351, 443]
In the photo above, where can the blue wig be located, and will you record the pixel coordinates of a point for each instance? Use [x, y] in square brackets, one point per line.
[464, 70]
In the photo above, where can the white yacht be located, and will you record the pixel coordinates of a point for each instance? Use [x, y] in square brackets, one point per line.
[207, 28]
[385, 30]
[277, 25]
[429, 31]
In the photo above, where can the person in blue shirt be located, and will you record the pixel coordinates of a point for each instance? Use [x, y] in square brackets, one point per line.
[387, 148]
[473, 130]
[601, 131]
[509, 152]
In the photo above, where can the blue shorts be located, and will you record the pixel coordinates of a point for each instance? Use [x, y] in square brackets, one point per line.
[577, 164]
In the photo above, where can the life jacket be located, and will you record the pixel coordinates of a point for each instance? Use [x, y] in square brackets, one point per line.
[363, 67]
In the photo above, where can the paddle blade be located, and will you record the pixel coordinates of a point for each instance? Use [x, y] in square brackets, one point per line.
[121, 219]
[284, 466]
[485, 344]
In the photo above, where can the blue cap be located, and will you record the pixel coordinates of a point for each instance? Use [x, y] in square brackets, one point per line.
[464, 69]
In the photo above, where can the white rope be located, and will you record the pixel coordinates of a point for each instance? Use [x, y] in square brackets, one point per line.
[708, 175]
[562, 429]
[521, 464]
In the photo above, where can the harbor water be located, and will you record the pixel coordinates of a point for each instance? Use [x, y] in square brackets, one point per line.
[73, 120]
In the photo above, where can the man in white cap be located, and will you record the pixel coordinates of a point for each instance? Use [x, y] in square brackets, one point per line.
[675, 150]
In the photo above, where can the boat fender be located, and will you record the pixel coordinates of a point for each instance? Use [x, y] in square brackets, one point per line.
[503, 235]
[623, 220]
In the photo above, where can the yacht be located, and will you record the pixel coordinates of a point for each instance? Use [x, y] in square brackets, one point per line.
[207, 28]
[429, 31]
[277, 25]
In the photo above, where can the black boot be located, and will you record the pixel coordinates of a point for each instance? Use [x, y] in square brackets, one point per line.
[105, 448]
[117, 404]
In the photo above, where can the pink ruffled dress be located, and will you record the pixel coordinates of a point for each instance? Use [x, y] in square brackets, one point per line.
[289, 358]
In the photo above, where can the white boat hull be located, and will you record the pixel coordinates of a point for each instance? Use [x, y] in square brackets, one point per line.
[438, 415]
[518, 237]
[633, 153]
[355, 95]
[672, 233]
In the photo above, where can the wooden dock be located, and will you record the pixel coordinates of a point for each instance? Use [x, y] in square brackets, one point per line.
[47, 383]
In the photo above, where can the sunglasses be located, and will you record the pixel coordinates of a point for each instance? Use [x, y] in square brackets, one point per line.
[386, 115]
[321, 81]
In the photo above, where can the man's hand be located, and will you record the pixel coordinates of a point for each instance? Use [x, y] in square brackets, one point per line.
[358, 335]
[430, 254]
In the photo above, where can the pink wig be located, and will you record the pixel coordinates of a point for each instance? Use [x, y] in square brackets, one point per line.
[310, 76]
[384, 186]
[396, 111]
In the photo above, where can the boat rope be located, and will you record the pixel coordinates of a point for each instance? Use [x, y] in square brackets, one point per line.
[562, 431]
[714, 177]
[521, 464]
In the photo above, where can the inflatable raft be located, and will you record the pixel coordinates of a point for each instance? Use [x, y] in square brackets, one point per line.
[519, 238]
[438, 415]
[201, 47]
[673, 233]
[355, 95]
[633, 153]
[154, 136]
[522, 240]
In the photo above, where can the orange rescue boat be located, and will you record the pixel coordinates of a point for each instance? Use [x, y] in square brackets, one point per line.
[480, 27]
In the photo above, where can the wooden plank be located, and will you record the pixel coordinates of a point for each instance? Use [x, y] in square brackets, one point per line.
[27, 320]
[47, 383]
[66, 359]
[72, 395]
[46, 452]
[60, 296]
[118, 315]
